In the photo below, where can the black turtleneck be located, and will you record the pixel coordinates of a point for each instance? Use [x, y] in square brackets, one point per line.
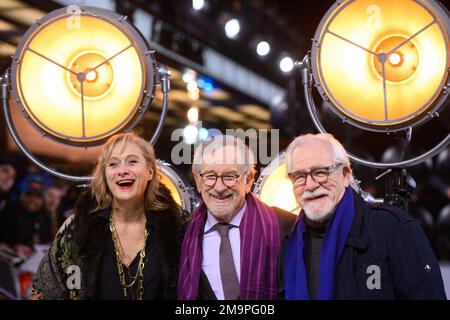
[315, 234]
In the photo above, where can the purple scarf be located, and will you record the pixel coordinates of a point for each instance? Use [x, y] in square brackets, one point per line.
[260, 245]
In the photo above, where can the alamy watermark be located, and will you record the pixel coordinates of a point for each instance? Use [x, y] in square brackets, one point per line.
[73, 281]
[264, 145]
[374, 279]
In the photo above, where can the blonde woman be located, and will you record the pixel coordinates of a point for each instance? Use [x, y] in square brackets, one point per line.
[122, 242]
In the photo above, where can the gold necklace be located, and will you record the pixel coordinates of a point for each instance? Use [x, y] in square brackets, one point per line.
[140, 271]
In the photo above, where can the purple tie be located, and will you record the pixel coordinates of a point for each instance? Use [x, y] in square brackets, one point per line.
[230, 281]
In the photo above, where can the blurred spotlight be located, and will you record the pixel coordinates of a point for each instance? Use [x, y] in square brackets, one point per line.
[203, 134]
[189, 75]
[190, 134]
[192, 114]
[192, 86]
[198, 4]
[232, 28]
[286, 64]
[205, 83]
[194, 95]
[263, 48]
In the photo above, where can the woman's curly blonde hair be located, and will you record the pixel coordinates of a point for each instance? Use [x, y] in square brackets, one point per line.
[99, 185]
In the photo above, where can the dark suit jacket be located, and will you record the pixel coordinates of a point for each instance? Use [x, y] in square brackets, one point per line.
[386, 239]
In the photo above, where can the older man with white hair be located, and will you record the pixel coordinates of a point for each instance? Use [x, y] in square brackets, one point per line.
[231, 245]
[344, 248]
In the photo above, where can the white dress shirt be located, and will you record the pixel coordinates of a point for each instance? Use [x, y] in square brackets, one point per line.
[211, 245]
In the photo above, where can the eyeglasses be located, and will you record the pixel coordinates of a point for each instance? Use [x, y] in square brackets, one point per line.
[319, 175]
[210, 179]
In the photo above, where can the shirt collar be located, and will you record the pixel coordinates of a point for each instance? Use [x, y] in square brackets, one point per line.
[236, 221]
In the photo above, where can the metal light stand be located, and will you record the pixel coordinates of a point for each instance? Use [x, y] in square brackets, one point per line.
[399, 185]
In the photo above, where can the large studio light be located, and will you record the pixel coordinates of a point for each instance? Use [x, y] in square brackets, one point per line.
[274, 186]
[383, 65]
[81, 77]
[180, 189]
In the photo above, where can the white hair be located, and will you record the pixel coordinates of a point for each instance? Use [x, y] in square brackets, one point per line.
[245, 156]
[339, 153]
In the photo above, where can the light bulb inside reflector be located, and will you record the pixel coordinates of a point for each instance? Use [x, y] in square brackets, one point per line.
[97, 82]
[91, 76]
[401, 64]
[395, 59]
[82, 82]
[383, 64]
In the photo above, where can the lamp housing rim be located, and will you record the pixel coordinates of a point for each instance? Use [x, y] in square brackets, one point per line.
[146, 58]
[442, 15]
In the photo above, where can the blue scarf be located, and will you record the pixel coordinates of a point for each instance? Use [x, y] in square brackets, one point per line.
[296, 282]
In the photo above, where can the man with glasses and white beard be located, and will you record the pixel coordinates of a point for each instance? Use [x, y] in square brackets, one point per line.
[231, 245]
[344, 248]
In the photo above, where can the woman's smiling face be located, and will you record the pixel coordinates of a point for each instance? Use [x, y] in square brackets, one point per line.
[127, 173]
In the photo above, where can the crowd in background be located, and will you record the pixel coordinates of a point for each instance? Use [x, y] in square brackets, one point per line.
[33, 205]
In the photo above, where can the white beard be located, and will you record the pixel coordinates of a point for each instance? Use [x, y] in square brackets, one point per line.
[317, 214]
[322, 216]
